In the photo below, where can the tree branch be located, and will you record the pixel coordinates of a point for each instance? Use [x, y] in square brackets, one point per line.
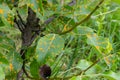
[73, 2]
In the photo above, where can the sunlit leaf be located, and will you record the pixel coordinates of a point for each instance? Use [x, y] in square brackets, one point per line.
[100, 43]
[22, 3]
[116, 1]
[2, 74]
[84, 30]
[76, 78]
[6, 14]
[84, 64]
[83, 67]
[34, 5]
[112, 75]
[41, 6]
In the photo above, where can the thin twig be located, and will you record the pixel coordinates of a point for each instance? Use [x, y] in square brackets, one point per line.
[72, 3]
[81, 72]
[107, 12]
[20, 28]
[85, 19]
[21, 19]
[92, 65]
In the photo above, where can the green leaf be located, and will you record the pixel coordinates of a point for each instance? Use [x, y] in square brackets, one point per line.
[1, 22]
[76, 78]
[6, 43]
[30, 52]
[15, 60]
[107, 76]
[100, 43]
[6, 14]
[34, 69]
[34, 5]
[112, 75]
[68, 7]
[4, 9]
[2, 74]
[48, 47]
[3, 60]
[116, 1]
[41, 6]
[84, 64]
[84, 30]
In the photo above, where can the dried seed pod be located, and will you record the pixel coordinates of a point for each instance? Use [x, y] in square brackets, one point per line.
[45, 71]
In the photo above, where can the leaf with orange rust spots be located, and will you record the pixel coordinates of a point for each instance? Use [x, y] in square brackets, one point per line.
[101, 44]
[48, 47]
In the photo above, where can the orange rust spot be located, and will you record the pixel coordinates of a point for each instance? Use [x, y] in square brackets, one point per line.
[107, 60]
[41, 49]
[13, 1]
[8, 19]
[52, 38]
[88, 35]
[39, 9]
[97, 47]
[1, 11]
[85, 6]
[31, 5]
[11, 67]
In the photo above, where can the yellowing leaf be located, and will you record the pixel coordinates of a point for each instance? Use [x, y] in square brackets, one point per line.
[100, 43]
[84, 30]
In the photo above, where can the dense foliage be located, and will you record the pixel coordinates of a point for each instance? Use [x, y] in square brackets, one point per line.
[89, 51]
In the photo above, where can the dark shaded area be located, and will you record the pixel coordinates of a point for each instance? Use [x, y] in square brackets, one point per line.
[45, 71]
[29, 32]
